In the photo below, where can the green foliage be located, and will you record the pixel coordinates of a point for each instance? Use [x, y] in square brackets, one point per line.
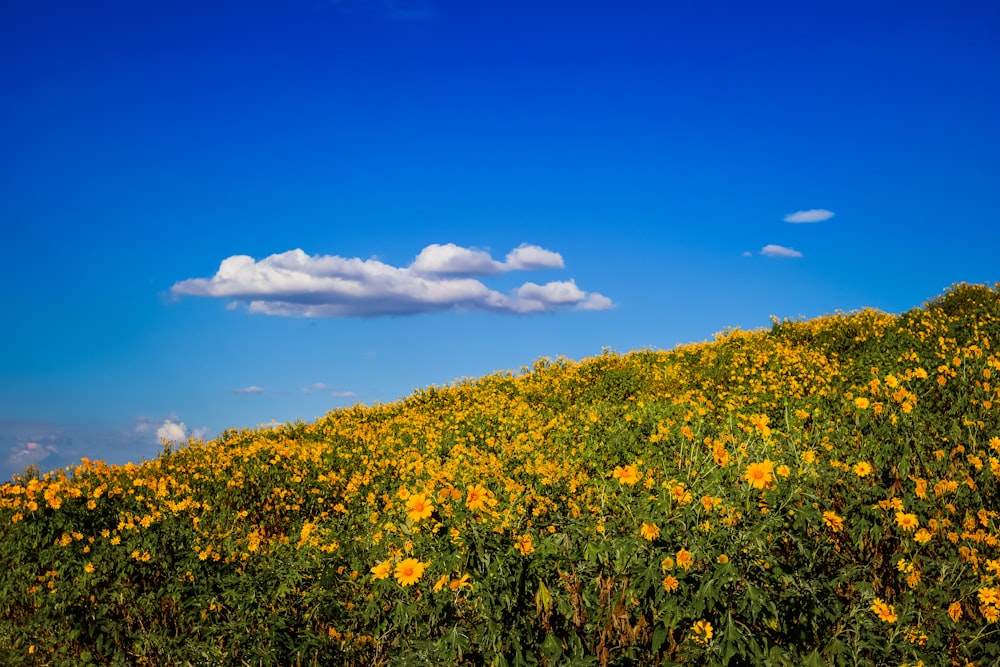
[821, 493]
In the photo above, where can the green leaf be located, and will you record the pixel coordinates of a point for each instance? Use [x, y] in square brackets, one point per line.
[543, 599]
[814, 659]
[659, 636]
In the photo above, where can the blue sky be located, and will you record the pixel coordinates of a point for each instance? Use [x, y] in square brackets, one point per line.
[221, 214]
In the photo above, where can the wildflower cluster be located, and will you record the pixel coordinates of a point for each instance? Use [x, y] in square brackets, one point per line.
[822, 492]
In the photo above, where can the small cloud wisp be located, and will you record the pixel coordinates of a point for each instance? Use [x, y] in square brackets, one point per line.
[252, 389]
[812, 215]
[772, 250]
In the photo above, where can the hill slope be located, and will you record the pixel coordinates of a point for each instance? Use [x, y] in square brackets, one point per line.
[824, 492]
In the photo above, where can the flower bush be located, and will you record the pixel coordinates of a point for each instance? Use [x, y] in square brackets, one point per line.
[822, 492]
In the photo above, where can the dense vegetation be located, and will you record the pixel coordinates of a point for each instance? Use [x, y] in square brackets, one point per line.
[824, 492]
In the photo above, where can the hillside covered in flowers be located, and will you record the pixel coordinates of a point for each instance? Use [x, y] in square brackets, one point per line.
[823, 492]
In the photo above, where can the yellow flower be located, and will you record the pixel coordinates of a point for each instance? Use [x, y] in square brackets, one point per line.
[650, 531]
[409, 571]
[702, 631]
[907, 521]
[862, 468]
[760, 474]
[923, 535]
[723, 558]
[670, 583]
[835, 522]
[667, 564]
[524, 545]
[684, 559]
[476, 497]
[955, 611]
[307, 529]
[885, 612]
[441, 583]
[720, 454]
[784, 471]
[861, 403]
[382, 570]
[628, 475]
[461, 582]
[89, 567]
[680, 494]
[417, 507]
[989, 596]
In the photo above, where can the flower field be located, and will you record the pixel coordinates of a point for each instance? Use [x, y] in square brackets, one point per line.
[824, 492]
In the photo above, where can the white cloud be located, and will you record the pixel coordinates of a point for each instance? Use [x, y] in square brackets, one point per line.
[554, 292]
[595, 301]
[526, 257]
[30, 453]
[252, 389]
[812, 215]
[172, 431]
[334, 392]
[345, 394]
[200, 433]
[52, 445]
[440, 278]
[772, 250]
[452, 259]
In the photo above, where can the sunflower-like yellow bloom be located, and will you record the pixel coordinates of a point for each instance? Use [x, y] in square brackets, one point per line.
[703, 631]
[628, 475]
[835, 522]
[476, 497]
[524, 545]
[382, 570]
[409, 571]
[760, 474]
[418, 507]
[907, 521]
[885, 612]
[649, 531]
